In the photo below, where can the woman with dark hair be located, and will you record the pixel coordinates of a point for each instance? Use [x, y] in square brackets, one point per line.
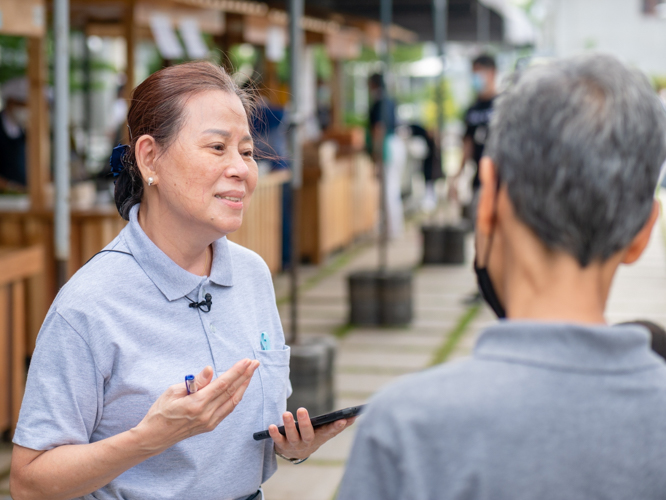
[106, 414]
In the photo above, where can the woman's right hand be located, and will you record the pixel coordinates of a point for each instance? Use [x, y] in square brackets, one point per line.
[176, 415]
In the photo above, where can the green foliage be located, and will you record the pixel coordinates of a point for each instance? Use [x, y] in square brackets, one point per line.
[323, 64]
[407, 53]
[356, 120]
[13, 57]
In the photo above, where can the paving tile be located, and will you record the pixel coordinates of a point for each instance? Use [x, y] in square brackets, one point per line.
[303, 482]
[410, 361]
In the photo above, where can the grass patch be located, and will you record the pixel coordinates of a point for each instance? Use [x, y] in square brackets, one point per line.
[455, 335]
[343, 330]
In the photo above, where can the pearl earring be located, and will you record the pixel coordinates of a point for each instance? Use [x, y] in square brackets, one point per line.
[150, 181]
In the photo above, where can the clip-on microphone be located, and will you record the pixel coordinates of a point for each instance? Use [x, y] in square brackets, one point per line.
[206, 303]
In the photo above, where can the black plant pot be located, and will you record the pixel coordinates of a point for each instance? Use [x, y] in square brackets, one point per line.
[444, 244]
[380, 298]
[312, 376]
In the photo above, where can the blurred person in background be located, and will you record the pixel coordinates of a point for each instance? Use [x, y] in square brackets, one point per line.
[422, 146]
[393, 149]
[477, 121]
[553, 403]
[13, 124]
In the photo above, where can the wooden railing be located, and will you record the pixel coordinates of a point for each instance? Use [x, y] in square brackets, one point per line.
[17, 266]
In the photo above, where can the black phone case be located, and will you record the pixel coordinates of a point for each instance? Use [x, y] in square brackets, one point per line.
[317, 421]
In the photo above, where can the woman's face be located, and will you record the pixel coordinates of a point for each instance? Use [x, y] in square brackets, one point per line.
[208, 174]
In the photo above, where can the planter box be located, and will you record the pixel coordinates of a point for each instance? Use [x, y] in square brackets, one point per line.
[380, 298]
[444, 244]
[312, 376]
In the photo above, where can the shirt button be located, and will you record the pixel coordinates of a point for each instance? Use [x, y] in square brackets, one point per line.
[212, 327]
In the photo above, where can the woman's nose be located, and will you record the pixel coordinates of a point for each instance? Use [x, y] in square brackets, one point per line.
[238, 167]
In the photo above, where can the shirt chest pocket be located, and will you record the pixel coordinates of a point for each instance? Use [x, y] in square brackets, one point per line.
[274, 374]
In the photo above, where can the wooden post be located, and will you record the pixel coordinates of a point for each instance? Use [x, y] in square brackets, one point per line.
[18, 335]
[130, 39]
[337, 95]
[38, 145]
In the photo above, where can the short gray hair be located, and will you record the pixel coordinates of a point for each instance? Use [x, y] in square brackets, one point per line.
[579, 144]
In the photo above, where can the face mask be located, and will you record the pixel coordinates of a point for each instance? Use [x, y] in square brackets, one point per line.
[478, 82]
[488, 291]
[483, 280]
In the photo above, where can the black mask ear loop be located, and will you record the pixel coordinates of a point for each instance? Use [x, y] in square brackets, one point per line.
[482, 277]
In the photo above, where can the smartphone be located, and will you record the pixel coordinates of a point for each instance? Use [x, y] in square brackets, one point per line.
[317, 421]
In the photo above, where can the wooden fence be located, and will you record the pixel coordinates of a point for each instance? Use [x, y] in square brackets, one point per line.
[340, 200]
[17, 266]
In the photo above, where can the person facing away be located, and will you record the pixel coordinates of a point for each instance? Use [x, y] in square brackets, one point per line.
[553, 403]
[477, 117]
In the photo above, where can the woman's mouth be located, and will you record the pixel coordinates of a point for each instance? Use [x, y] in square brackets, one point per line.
[234, 202]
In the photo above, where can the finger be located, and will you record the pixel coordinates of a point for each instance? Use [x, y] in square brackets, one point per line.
[305, 426]
[226, 381]
[290, 428]
[229, 390]
[229, 405]
[279, 440]
[329, 431]
[204, 377]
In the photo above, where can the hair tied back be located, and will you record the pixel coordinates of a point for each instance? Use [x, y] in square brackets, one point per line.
[117, 160]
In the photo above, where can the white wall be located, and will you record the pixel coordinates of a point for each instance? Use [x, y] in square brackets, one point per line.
[619, 27]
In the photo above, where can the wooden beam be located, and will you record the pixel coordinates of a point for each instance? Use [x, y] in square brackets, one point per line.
[130, 42]
[5, 360]
[38, 144]
[18, 336]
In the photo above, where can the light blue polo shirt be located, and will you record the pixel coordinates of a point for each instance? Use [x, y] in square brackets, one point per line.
[121, 332]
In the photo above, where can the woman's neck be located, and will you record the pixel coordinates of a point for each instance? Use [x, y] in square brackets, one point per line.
[178, 241]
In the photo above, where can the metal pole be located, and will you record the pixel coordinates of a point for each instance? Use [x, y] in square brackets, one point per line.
[386, 9]
[61, 138]
[295, 54]
[441, 11]
[482, 23]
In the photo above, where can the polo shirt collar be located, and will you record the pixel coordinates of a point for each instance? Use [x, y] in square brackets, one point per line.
[172, 280]
[575, 347]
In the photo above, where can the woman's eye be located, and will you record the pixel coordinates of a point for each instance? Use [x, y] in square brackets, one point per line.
[249, 154]
[218, 147]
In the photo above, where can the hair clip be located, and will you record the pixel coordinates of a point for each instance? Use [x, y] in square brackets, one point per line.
[117, 157]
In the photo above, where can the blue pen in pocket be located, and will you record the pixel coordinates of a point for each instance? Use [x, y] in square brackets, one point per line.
[265, 342]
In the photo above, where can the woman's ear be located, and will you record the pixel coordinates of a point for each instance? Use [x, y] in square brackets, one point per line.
[641, 240]
[145, 152]
[486, 207]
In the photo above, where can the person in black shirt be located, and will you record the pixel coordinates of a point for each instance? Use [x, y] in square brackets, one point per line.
[477, 117]
[13, 122]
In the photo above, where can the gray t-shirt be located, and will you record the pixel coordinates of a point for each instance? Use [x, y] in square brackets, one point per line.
[121, 332]
[541, 411]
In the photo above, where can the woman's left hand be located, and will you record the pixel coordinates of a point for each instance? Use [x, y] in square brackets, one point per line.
[305, 443]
